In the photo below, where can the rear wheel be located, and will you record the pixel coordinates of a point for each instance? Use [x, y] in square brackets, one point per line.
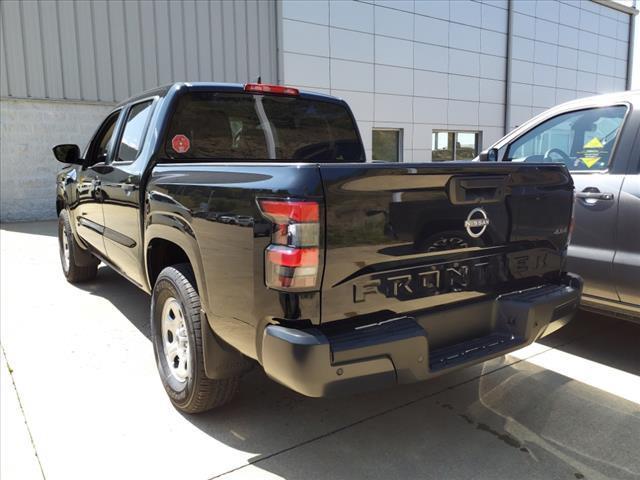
[75, 269]
[177, 343]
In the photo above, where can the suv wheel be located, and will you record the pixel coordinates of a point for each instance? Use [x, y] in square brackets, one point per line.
[177, 342]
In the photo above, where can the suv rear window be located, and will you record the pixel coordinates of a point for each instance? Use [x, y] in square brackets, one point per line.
[247, 127]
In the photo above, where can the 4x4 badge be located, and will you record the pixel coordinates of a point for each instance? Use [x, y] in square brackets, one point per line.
[476, 222]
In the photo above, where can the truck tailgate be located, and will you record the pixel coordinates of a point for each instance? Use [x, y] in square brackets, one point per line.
[409, 238]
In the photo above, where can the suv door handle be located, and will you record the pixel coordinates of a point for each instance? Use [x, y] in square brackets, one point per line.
[592, 193]
[128, 187]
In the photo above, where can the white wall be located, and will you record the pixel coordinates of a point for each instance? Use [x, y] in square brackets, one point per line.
[402, 64]
[28, 130]
[425, 64]
[110, 50]
[565, 50]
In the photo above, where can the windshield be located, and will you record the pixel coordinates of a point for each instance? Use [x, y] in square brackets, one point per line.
[240, 126]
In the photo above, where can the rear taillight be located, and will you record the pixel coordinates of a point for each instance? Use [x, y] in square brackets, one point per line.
[292, 259]
[286, 211]
[275, 89]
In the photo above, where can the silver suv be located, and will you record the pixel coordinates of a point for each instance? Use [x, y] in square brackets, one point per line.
[598, 139]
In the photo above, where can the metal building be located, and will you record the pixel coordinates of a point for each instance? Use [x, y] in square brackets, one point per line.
[428, 80]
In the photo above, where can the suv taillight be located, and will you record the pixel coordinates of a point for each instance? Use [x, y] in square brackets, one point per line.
[292, 259]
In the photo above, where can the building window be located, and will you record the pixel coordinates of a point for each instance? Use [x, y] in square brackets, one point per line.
[454, 145]
[387, 144]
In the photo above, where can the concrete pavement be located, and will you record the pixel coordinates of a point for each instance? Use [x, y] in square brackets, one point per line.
[568, 407]
[18, 458]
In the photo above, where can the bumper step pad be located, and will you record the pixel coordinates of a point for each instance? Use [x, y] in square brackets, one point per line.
[464, 352]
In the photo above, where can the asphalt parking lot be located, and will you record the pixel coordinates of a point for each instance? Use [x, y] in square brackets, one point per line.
[83, 400]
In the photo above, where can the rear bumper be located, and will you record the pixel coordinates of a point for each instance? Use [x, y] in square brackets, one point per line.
[318, 363]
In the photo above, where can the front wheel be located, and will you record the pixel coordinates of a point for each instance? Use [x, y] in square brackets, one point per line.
[177, 343]
[75, 269]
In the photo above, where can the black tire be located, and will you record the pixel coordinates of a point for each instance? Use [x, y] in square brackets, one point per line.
[75, 269]
[196, 393]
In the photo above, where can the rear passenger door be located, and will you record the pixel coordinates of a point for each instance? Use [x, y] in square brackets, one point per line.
[121, 192]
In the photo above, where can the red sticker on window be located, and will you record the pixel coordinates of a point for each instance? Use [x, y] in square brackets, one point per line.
[180, 143]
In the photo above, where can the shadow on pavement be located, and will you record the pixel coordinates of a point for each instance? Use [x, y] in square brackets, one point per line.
[132, 302]
[516, 422]
[501, 419]
[606, 340]
[48, 228]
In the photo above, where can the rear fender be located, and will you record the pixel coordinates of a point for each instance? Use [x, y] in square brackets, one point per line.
[220, 360]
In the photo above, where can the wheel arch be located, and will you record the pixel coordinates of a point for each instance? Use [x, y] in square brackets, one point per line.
[173, 241]
[165, 247]
[161, 253]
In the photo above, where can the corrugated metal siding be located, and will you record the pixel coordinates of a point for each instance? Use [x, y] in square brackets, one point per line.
[109, 50]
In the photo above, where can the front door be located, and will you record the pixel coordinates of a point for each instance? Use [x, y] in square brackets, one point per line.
[87, 211]
[594, 237]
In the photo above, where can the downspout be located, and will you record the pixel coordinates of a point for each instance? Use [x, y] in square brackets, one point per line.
[631, 53]
[278, 33]
[507, 88]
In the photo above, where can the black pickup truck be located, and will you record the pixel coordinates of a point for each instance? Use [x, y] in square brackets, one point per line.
[250, 215]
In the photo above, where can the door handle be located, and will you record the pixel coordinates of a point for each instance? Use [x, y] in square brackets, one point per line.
[128, 187]
[592, 193]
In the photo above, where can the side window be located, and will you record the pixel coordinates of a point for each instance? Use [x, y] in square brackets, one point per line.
[101, 143]
[582, 140]
[134, 130]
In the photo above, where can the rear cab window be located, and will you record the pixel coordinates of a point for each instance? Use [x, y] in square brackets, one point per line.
[261, 127]
[583, 139]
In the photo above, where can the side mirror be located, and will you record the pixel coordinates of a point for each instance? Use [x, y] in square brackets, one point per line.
[490, 156]
[68, 153]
